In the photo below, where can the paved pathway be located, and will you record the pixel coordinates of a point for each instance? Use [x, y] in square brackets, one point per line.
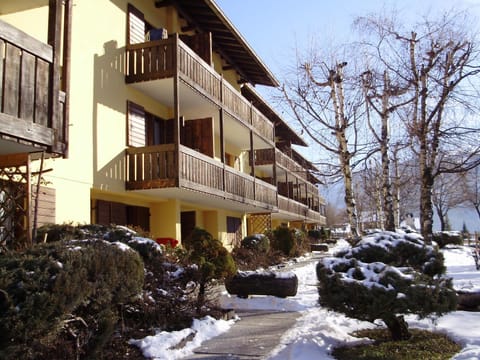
[255, 335]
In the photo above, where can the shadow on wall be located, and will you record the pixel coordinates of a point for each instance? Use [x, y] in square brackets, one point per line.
[109, 118]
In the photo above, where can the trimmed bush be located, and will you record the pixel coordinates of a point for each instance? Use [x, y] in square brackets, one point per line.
[322, 234]
[53, 282]
[384, 276]
[445, 238]
[284, 240]
[213, 261]
[257, 242]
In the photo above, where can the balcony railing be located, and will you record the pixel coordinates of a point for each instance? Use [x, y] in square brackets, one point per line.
[26, 90]
[165, 58]
[161, 166]
[294, 207]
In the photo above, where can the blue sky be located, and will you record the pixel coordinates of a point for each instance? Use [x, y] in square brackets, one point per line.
[273, 28]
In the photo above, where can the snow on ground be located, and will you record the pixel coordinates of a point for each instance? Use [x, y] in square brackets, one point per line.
[318, 330]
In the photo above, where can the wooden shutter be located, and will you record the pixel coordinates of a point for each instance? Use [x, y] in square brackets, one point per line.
[118, 213]
[198, 135]
[135, 125]
[139, 216]
[103, 212]
[136, 26]
[200, 43]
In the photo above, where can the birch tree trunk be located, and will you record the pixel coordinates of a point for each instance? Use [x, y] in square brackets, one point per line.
[384, 146]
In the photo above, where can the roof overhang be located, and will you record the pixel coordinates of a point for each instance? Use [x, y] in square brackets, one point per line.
[282, 130]
[206, 16]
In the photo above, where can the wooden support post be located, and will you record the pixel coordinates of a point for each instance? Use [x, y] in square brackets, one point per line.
[54, 40]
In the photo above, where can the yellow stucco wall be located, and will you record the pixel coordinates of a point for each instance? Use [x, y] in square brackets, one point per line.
[95, 167]
[32, 21]
[165, 219]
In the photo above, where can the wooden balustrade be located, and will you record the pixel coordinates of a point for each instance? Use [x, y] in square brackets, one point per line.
[294, 207]
[160, 166]
[151, 167]
[265, 193]
[164, 58]
[197, 169]
[199, 72]
[151, 60]
[240, 185]
[26, 90]
[262, 124]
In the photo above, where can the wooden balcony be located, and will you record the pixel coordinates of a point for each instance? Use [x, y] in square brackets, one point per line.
[162, 167]
[28, 112]
[296, 194]
[299, 211]
[161, 59]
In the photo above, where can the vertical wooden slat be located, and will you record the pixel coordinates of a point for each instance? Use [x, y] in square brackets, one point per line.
[139, 169]
[149, 166]
[27, 94]
[41, 93]
[131, 63]
[2, 58]
[147, 53]
[12, 80]
[131, 167]
[139, 70]
[155, 61]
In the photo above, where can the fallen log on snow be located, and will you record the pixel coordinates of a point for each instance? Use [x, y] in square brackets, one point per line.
[318, 247]
[280, 284]
[468, 300]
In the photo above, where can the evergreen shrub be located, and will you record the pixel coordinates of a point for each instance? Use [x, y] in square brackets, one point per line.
[50, 283]
[384, 276]
[257, 242]
[445, 238]
[212, 259]
[283, 240]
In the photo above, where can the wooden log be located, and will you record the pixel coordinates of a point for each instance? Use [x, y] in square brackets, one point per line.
[318, 247]
[468, 300]
[279, 284]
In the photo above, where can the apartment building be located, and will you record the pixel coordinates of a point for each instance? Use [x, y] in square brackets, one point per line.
[143, 113]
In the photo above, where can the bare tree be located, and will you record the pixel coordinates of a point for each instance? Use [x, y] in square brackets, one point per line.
[317, 100]
[379, 98]
[334, 215]
[446, 195]
[437, 59]
[470, 186]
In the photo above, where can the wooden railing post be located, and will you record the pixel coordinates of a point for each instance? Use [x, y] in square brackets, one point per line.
[54, 40]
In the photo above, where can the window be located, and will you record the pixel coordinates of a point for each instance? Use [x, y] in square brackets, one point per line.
[136, 125]
[146, 129]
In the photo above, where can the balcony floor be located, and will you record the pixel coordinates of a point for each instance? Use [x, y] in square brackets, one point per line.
[201, 199]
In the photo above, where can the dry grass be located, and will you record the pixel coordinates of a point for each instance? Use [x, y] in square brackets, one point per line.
[423, 345]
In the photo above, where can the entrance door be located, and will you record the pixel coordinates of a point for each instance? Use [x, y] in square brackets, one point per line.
[234, 231]
[187, 223]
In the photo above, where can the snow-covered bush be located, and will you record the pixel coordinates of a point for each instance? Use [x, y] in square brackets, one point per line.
[444, 238]
[48, 287]
[257, 242]
[384, 276]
